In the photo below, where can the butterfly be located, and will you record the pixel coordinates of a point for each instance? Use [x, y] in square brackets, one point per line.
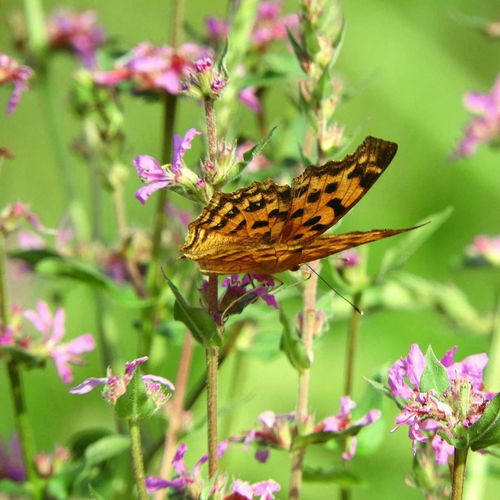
[266, 228]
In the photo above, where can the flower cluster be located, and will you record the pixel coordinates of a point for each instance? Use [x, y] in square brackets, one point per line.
[277, 432]
[115, 386]
[204, 80]
[484, 250]
[269, 25]
[485, 127]
[52, 328]
[191, 484]
[176, 176]
[79, 32]
[13, 72]
[151, 68]
[14, 214]
[426, 413]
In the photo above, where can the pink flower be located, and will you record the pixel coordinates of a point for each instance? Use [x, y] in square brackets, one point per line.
[115, 386]
[427, 412]
[250, 99]
[157, 177]
[485, 127]
[12, 72]
[349, 258]
[11, 461]
[484, 250]
[14, 214]
[153, 68]
[217, 29]
[185, 480]
[53, 330]
[76, 31]
[343, 421]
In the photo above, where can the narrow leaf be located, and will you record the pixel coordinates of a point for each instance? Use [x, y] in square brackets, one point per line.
[106, 448]
[340, 476]
[324, 437]
[434, 377]
[486, 431]
[197, 320]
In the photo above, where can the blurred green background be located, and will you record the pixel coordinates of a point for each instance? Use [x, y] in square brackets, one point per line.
[412, 62]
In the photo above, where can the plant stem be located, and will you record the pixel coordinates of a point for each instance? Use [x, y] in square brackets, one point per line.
[135, 440]
[174, 411]
[23, 427]
[212, 362]
[458, 473]
[37, 31]
[352, 342]
[211, 128]
[308, 330]
[4, 306]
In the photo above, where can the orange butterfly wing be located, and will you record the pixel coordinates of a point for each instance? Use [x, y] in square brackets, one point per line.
[266, 228]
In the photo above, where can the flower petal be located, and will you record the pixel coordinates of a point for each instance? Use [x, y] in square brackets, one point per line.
[143, 193]
[160, 380]
[87, 385]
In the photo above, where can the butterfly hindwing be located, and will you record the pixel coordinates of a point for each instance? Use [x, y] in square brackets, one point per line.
[321, 196]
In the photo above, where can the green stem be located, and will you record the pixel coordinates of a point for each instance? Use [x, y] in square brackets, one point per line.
[211, 128]
[23, 428]
[4, 306]
[212, 362]
[352, 343]
[135, 439]
[308, 330]
[458, 473]
[37, 30]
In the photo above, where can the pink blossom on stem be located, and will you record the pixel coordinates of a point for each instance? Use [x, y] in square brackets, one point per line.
[484, 250]
[159, 177]
[53, 329]
[250, 99]
[485, 127]
[426, 413]
[79, 32]
[115, 386]
[13, 72]
[153, 68]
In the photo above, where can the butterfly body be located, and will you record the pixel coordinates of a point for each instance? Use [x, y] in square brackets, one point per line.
[267, 228]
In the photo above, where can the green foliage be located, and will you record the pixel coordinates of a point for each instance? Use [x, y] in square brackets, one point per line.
[340, 476]
[291, 344]
[434, 377]
[486, 431]
[135, 403]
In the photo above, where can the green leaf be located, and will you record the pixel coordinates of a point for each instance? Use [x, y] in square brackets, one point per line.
[434, 377]
[34, 256]
[106, 448]
[135, 403]
[486, 431]
[291, 344]
[300, 53]
[197, 320]
[406, 246]
[28, 359]
[94, 494]
[324, 437]
[12, 488]
[341, 476]
[81, 440]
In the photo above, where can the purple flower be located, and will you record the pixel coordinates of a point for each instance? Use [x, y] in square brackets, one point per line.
[204, 80]
[265, 489]
[186, 480]
[11, 461]
[349, 258]
[76, 31]
[115, 386]
[14, 214]
[427, 412]
[343, 421]
[158, 177]
[53, 330]
[484, 250]
[485, 127]
[12, 72]
[153, 68]
[217, 29]
[250, 99]
[239, 292]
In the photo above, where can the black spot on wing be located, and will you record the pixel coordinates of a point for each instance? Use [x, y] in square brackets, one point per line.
[319, 227]
[239, 227]
[312, 220]
[331, 187]
[297, 213]
[277, 214]
[300, 192]
[260, 223]
[221, 224]
[232, 213]
[253, 206]
[336, 205]
[313, 197]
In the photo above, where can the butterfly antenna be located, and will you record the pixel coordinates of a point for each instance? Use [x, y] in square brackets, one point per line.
[354, 306]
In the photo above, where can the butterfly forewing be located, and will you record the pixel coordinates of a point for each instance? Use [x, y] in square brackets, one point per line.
[321, 196]
[266, 228]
